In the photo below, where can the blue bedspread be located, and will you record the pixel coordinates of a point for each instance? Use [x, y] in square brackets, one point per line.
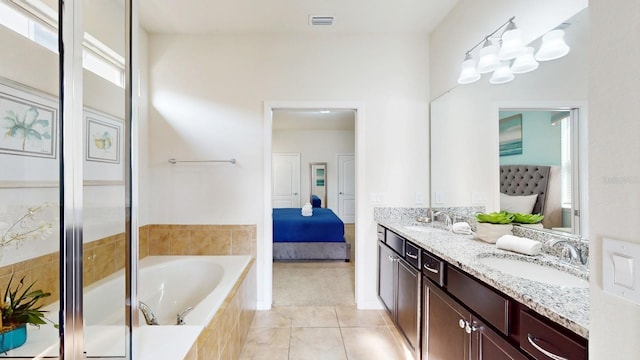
[290, 226]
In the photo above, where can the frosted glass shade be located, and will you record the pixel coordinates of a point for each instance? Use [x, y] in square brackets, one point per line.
[488, 58]
[525, 62]
[553, 46]
[502, 74]
[468, 73]
[512, 44]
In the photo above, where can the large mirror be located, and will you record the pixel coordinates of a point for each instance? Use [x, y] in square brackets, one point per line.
[318, 186]
[479, 128]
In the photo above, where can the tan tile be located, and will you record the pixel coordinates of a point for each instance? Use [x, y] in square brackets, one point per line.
[349, 316]
[316, 343]
[372, 344]
[179, 245]
[159, 242]
[274, 318]
[221, 242]
[200, 242]
[105, 261]
[241, 242]
[313, 316]
[267, 344]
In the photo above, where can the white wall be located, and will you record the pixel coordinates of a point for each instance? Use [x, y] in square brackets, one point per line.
[614, 167]
[316, 146]
[207, 95]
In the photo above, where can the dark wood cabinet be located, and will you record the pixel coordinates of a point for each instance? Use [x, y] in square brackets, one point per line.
[408, 303]
[386, 275]
[445, 313]
[443, 329]
[399, 290]
[487, 344]
[451, 332]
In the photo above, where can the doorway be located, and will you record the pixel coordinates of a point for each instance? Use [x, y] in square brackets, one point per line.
[332, 199]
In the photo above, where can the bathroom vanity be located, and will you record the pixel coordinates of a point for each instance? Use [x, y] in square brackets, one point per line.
[448, 304]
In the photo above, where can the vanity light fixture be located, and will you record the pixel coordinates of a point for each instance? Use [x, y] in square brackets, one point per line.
[506, 54]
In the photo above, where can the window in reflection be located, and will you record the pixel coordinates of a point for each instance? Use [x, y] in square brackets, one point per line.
[36, 23]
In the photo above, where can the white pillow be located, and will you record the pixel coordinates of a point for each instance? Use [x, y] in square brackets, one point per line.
[518, 204]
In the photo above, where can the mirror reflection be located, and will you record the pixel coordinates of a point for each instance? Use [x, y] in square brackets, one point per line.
[318, 186]
[466, 149]
[536, 165]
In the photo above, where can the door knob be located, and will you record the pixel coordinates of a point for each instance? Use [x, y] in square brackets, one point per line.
[295, 193]
[341, 193]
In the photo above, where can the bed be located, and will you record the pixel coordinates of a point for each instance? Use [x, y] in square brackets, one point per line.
[541, 180]
[316, 237]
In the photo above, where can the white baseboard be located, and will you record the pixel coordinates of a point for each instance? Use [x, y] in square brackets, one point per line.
[369, 305]
[261, 305]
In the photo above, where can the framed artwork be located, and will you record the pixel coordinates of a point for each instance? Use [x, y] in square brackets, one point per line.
[511, 135]
[104, 146]
[28, 134]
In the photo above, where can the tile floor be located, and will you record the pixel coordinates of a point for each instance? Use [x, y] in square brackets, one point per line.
[323, 333]
[306, 323]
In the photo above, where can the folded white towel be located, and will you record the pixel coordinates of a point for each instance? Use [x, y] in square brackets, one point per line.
[307, 210]
[461, 228]
[519, 245]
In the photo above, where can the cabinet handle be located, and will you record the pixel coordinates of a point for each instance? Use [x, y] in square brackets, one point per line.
[410, 255]
[462, 323]
[391, 258]
[435, 271]
[470, 328]
[532, 341]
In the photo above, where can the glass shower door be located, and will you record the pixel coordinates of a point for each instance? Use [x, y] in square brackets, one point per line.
[29, 177]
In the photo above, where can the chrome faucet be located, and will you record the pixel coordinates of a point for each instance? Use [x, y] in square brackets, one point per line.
[569, 252]
[447, 218]
[182, 314]
[149, 316]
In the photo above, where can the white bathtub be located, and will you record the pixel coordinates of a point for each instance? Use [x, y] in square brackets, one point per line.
[168, 284]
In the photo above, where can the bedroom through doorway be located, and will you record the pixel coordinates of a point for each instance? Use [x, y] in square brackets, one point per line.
[313, 161]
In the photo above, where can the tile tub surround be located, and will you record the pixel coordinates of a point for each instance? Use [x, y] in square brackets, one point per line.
[102, 258]
[174, 239]
[227, 331]
[569, 307]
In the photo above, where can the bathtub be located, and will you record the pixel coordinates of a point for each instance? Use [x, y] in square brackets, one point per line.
[168, 284]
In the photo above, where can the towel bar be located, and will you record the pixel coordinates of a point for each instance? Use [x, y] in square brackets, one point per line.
[174, 161]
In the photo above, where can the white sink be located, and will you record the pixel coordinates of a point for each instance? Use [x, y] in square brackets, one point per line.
[421, 228]
[534, 271]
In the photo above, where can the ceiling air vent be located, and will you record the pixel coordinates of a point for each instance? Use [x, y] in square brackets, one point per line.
[321, 20]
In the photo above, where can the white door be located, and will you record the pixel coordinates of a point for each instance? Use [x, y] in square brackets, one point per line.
[285, 180]
[347, 188]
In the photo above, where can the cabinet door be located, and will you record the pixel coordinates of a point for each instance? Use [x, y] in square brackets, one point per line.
[408, 303]
[486, 344]
[386, 266]
[443, 338]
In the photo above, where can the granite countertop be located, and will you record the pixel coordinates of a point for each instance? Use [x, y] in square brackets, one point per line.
[566, 306]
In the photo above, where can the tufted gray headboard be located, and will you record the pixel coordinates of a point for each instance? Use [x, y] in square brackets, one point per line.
[526, 180]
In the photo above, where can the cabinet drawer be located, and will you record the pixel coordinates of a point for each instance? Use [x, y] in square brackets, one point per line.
[486, 302]
[433, 268]
[543, 341]
[412, 254]
[395, 242]
[381, 231]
